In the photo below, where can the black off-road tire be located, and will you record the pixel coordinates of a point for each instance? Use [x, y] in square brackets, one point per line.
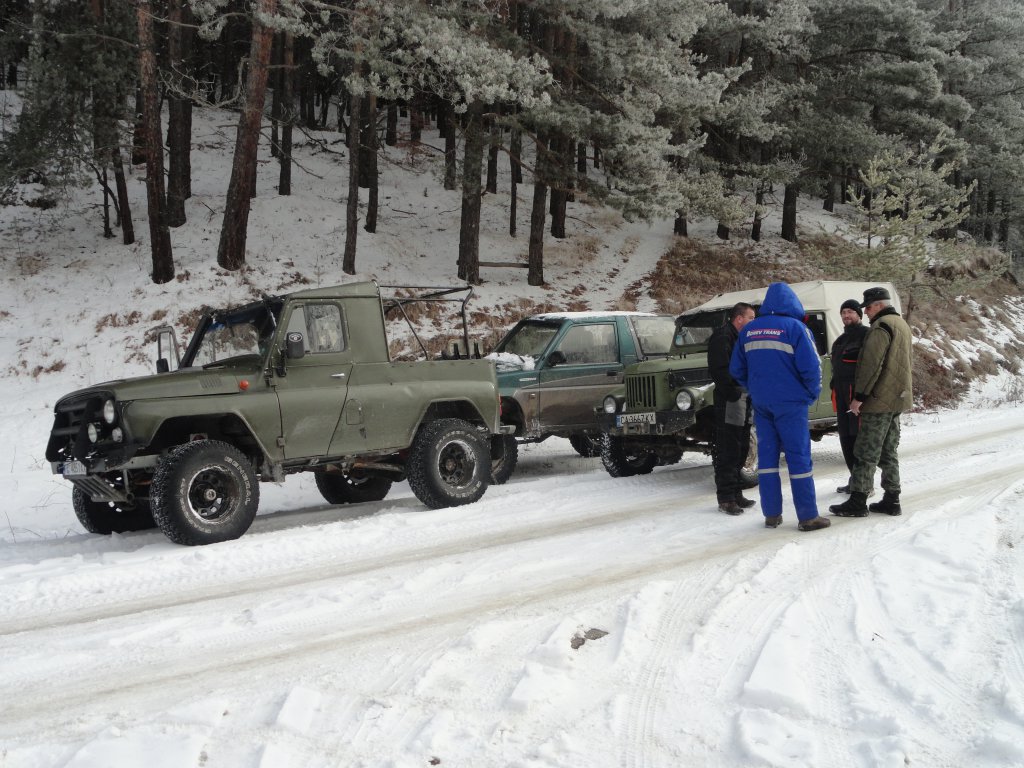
[449, 464]
[204, 492]
[666, 460]
[105, 517]
[621, 462]
[504, 458]
[341, 488]
[586, 445]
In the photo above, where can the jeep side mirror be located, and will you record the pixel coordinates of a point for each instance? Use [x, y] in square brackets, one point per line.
[166, 348]
[556, 358]
[294, 347]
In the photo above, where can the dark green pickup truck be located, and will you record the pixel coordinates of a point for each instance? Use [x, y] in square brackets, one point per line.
[296, 383]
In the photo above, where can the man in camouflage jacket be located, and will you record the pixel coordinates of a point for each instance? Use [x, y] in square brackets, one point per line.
[882, 391]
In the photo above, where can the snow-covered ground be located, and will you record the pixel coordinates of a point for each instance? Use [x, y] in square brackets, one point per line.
[388, 635]
[567, 619]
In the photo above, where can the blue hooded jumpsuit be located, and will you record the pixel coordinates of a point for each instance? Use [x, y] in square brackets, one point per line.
[776, 361]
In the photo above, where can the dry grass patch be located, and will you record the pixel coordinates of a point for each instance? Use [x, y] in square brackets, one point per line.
[693, 271]
[114, 320]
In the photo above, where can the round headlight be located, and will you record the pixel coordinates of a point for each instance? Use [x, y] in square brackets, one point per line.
[610, 405]
[684, 400]
[109, 414]
[93, 433]
[116, 435]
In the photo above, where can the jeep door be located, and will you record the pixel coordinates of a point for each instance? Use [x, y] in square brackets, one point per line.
[312, 390]
[578, 370]
[822, 409]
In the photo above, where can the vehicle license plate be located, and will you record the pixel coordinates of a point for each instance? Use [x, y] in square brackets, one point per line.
[648, 417]
[74, 469]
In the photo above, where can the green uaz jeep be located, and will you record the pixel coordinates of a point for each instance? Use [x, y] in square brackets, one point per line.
[296, 383]
[666, 406]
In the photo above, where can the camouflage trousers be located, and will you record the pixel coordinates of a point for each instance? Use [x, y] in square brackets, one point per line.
[877, 445]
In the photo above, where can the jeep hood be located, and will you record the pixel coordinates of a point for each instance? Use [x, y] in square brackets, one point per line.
[669, 364]
[190, 382]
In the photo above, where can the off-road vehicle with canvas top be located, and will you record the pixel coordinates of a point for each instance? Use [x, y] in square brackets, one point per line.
[296, 383]
[666, 405]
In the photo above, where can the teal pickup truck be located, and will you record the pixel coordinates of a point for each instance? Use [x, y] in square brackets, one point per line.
[554, 369]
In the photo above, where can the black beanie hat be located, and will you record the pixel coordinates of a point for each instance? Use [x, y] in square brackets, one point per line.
[854, 305]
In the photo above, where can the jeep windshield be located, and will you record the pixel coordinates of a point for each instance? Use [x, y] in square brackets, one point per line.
[233, 336]
[525, 344]
[654, 333]
[693, 331]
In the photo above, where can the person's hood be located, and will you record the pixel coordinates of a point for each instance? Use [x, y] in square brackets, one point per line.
[780, 300]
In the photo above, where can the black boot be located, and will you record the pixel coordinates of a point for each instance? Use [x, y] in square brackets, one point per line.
[743, 502]
[730, 507]
[855, 506]
[889, 505]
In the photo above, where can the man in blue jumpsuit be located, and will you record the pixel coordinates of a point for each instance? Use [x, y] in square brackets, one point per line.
[776, 361]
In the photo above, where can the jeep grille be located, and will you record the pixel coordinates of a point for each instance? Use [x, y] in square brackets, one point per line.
[640, 393]
[68, 439]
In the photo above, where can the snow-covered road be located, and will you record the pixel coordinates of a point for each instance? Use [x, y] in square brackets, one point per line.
[386, 634]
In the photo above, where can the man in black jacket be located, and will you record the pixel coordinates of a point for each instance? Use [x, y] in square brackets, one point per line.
[732, 413]
[845, 353]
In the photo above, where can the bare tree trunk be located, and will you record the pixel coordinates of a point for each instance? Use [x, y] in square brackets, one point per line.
[287, 111]
[179, 120]
[391, 129]
[231, 252]
[370, 150]
[348, 263]
[789, 199]
[535, 260]
[755, 229]
[138, 131]
[124, 209]
[275, 78]
[451, 160]
[160, 235]
[516, 156]
[469, 229]
[107, 230]
[829, 203]
[494, 140]
[559, 192]
[108, 101]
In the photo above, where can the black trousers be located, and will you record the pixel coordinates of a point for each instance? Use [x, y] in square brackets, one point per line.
[848, 423]
[732, 444]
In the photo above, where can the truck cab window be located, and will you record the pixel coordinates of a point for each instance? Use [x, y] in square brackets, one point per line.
[320, 326]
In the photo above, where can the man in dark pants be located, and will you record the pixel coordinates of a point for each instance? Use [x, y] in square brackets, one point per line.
[732, 413]
[882, 391]
[845, 352]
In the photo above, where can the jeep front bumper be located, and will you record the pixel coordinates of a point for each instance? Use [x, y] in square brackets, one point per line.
[653, 423]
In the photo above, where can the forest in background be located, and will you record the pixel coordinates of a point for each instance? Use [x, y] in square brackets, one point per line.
[911, 112]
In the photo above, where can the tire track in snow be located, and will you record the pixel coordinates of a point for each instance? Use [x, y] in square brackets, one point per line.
[139, 592]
